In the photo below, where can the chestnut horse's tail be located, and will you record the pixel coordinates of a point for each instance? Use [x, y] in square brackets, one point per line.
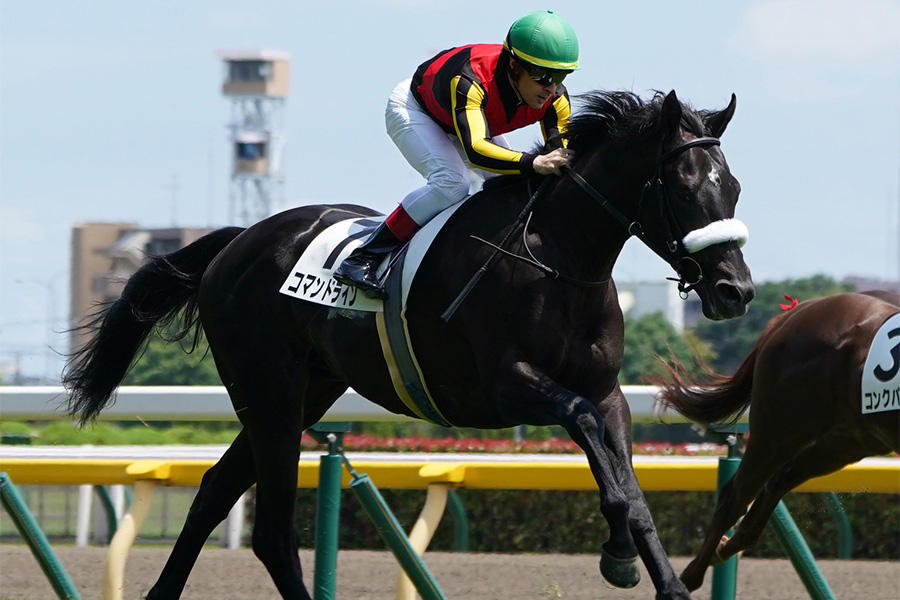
[155, 294]
[722, 399]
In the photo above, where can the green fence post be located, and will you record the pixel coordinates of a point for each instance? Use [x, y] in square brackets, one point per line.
[724, 581]
[394, 536]
[460, 522]
[845, 532]
[328, 509]
[36, 540]
[801, 557]
[112, 522]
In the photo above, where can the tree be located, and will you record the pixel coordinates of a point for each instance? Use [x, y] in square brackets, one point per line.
[733, 340]
[167, 363]
[652, 336]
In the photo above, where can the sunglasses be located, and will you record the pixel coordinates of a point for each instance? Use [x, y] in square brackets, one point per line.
[544, 76]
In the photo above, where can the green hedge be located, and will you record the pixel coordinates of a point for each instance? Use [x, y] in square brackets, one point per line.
[101, 433]
[570, 522]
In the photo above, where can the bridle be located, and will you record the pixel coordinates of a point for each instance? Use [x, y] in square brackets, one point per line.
[676, 250]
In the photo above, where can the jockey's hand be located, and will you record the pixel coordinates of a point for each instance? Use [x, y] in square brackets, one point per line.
[552, 162]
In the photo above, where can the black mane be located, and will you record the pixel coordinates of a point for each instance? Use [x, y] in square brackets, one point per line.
[609, 116]
[604, 117]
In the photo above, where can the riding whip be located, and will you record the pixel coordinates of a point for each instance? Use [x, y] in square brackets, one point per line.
[448, 314]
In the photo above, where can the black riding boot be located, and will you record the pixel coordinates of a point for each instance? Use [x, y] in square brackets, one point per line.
[359, 268]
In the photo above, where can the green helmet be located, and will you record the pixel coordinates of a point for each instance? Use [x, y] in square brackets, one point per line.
[545, 39]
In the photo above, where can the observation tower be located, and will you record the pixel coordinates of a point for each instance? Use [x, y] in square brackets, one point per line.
[256, 82]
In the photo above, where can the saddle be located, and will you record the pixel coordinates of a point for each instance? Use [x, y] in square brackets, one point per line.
[311, 280]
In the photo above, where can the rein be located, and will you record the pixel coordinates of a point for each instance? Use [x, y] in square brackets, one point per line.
[673, 251]
[536, 263]
[451, 309]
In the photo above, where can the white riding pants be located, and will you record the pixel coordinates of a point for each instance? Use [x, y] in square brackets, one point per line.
[434, 153]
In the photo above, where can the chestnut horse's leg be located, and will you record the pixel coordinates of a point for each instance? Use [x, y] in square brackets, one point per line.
[618, 438]
[220, 488]
[824, 456]
[762, 457]
[526, 395]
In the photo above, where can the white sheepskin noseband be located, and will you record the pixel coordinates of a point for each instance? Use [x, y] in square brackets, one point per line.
[717, 232]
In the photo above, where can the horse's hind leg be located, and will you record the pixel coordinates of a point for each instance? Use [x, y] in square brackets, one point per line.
[759, 462]
[276, 450]
[823, 457]
[275, 423]
[220, 488]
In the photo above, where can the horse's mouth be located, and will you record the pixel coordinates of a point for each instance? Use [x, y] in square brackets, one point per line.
[727, 299]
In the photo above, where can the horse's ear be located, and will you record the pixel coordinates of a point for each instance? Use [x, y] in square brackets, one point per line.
[670, 115]
[716, 122]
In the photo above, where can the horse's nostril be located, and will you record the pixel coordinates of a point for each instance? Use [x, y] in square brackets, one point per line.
[729, 293]
[749, 294]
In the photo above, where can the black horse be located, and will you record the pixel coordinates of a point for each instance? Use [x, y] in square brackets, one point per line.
[527, 346]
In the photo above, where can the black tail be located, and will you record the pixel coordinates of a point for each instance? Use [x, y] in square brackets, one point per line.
[155, 294]
[722, 399]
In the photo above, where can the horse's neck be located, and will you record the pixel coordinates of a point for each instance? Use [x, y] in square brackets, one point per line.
[586, 236]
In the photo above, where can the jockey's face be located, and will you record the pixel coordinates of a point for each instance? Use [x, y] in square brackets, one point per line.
[533, 93]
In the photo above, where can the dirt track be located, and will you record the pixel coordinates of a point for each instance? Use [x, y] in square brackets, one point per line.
[364, 575]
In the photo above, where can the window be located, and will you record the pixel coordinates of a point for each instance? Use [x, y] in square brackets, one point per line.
[250, 150]
[248, 70]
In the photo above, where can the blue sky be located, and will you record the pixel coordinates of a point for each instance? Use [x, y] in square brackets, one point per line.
[104, 104]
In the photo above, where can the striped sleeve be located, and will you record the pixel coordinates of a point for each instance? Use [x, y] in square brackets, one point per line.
[555, 120]
[467, 100]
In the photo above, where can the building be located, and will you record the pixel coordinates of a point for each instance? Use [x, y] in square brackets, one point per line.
[105, 255]
[639, 298]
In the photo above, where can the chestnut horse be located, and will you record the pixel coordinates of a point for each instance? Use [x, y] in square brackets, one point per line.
[538, 341]
[802, 383]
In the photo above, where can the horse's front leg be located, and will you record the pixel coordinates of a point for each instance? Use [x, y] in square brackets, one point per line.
[617, 415]
[527, 395]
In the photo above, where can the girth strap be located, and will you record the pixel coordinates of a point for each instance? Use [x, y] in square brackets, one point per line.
[393, 332]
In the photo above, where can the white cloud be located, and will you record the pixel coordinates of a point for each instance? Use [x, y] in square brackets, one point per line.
[826, 30]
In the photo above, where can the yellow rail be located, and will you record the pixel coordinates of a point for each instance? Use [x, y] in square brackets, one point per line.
[409, 471]
[870, 475]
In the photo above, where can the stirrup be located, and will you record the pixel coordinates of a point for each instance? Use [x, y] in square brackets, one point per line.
[369, 289]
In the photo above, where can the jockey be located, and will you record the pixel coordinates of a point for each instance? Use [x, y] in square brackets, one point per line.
[448, 122]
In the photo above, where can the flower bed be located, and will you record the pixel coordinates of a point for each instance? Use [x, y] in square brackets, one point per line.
[371, 443]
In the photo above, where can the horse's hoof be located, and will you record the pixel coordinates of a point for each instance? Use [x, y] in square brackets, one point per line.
[620, 572]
